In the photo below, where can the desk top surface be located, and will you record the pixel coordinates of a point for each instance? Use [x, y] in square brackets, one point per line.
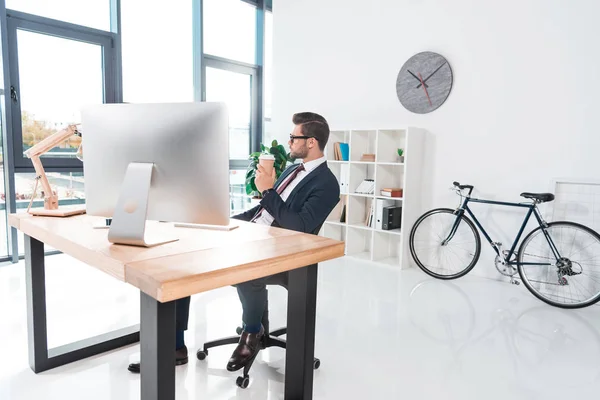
[199, 261]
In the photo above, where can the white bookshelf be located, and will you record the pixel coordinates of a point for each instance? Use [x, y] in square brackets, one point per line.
[389, 247]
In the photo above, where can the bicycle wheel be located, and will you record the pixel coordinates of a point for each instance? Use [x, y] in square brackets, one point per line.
[573, 281]
[449, 261]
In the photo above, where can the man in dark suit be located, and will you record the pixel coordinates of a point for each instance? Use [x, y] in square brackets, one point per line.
[300, 200]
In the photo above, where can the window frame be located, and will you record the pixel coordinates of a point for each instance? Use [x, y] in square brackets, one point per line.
[44, 26]
[209, 61]
[202, 59]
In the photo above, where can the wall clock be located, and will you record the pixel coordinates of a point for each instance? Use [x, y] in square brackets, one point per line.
[424, 82]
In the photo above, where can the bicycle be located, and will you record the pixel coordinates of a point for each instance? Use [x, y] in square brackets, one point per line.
[557, 261]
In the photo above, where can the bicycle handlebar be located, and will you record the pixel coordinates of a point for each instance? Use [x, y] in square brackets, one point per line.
[462, 187]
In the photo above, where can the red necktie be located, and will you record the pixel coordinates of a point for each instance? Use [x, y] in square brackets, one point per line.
[282, 187]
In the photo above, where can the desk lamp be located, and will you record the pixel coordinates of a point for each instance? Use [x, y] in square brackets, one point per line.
[50, 199]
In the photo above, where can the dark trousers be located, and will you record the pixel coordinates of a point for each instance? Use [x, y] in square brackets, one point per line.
[182, 313]
[253, 296]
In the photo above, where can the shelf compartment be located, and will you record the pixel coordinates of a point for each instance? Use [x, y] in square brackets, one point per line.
[336, 213]
[386, 247]
[335, 231]
[358, 173]
[389, 176]
[379, 204]
[336, 136]
[358, 242]
[362, 142]
[357, 210]
[388, 143]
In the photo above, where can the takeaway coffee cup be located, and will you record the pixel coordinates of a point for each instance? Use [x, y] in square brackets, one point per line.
[267, 161]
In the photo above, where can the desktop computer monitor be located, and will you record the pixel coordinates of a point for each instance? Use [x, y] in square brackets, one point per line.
[163, 162]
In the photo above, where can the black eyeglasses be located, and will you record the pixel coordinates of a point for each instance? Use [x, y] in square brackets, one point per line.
[292, 137]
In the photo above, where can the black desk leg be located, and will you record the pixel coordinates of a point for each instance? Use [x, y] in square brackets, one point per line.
[40, 357]
[300, 352]
[157, 349]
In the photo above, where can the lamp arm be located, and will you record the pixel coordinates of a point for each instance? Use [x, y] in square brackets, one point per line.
[50, 199]
[51, 141]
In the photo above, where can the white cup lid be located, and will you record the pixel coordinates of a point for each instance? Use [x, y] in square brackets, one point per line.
[267, 157]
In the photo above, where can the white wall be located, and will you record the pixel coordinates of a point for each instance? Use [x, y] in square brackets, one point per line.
[523, 108]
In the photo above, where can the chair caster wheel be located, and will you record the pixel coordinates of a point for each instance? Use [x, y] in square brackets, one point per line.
[316, 363]
[239, 330]
[202, 354]
[243, 381]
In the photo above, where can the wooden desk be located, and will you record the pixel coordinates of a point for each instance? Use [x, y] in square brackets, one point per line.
[201, 260]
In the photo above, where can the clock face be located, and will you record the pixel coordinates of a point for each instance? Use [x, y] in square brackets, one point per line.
[424, 82]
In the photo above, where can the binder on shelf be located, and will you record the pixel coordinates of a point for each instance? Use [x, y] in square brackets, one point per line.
[380, 204]
[392, 218]
[344, 178]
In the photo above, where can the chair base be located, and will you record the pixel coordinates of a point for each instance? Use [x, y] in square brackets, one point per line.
[270, 339]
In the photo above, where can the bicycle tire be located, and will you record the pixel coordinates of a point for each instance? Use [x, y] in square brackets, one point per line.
[525, 279]
[421, 265]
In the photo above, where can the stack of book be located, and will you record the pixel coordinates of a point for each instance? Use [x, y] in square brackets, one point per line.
[368, 157]
[391, 192]
[367, 186]
[341, 151]
[370, 214]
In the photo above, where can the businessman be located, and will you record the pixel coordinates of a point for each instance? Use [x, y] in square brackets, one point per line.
[300, 200]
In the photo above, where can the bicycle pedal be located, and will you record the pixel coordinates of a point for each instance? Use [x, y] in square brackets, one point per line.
[515, 282]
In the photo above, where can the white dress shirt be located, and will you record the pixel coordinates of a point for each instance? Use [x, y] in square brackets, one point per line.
[266, 218]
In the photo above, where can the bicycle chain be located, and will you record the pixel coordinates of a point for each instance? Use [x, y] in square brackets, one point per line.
[548, 258]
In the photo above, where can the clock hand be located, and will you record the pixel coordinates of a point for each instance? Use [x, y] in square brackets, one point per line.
[430, 75]
[416, 77]
[425, 89]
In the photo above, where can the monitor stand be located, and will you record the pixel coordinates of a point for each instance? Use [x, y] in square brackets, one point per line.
[128, 224]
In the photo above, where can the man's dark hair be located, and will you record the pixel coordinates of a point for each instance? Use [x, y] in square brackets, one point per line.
[313, 125]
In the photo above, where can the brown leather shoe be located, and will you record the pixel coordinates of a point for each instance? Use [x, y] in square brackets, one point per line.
[247, 348]
[181, 358]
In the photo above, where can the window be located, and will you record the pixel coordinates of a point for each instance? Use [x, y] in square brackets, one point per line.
[54, 73]
[234, 89]
[230, 30]
[53, 92]
[240, 201]
[157, 51]
[91, 13]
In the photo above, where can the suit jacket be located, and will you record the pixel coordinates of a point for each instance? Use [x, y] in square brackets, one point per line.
[307, 206]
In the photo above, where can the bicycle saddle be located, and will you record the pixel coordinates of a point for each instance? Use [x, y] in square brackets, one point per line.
[541, 197]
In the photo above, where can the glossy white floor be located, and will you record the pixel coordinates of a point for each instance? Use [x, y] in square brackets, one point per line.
[381, 334]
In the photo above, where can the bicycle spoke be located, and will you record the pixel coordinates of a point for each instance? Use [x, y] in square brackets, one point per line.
[449, 260]
[569, 281]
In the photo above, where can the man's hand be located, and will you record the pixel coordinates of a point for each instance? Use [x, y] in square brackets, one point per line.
[264, 180]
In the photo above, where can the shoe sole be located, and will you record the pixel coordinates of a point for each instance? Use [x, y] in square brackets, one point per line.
[181, 361]
[249, 361]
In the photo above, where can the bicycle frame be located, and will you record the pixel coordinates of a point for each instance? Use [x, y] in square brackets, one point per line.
[532, 210]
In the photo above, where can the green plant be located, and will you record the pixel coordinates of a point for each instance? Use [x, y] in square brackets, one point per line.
[281, 160]
[400, 152]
